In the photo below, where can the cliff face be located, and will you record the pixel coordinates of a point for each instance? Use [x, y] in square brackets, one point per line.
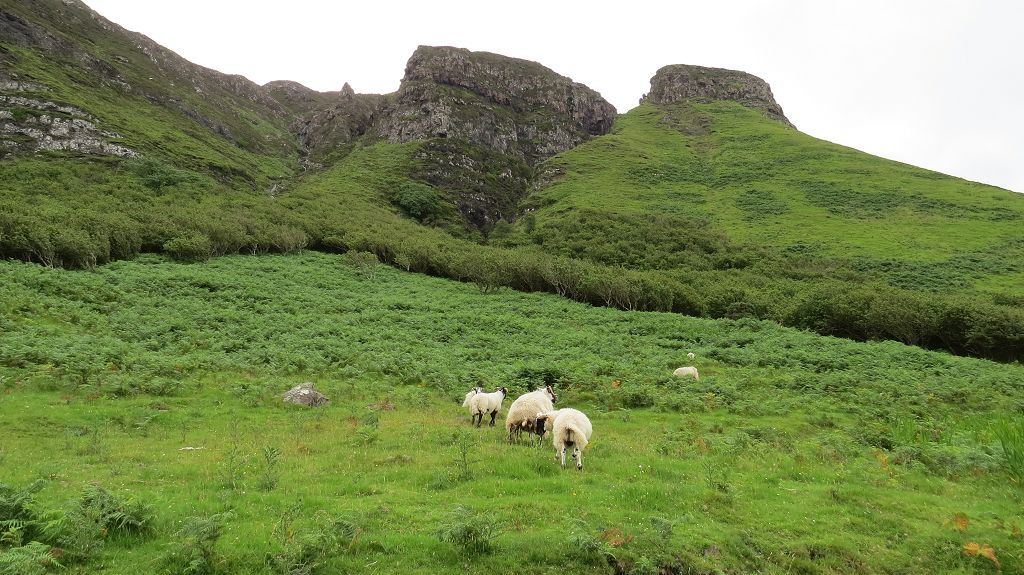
[510, 106]
[683, 82]
[325, 122]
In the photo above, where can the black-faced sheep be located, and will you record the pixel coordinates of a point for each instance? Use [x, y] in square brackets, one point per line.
[522, 414]
[482, 403]
[569, 427]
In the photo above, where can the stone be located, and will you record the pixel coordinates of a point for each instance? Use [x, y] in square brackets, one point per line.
[304, 394]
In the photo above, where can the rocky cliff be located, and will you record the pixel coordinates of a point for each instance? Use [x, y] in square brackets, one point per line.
[325, 122]
[507, 105]
[684, 82]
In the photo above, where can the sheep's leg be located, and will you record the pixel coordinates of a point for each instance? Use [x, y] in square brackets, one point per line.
[563, 457]
[578, 456]
[494, 414]
[479, 418]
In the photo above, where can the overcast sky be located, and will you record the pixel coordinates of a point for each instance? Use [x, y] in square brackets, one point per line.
[933, 83]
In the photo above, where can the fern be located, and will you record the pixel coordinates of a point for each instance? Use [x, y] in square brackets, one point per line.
[32, 559]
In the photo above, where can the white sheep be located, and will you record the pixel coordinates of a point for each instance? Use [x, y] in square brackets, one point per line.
[690, 356]
[522, 414]
[688, 371]
[470, 394]
[482, 403]
[569, 427]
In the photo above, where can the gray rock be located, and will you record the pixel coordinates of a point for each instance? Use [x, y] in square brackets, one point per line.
[512, 106]
[304, 394]
[680, 82]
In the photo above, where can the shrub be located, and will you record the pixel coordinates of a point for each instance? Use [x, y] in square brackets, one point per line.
[32, 559]
[469, 531]
[190, 248]
[117, 516]
[194, 552]
[365, 263]
[418, 201]
[306, 552]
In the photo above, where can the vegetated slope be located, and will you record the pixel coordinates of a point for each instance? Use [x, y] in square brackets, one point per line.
[793, 451]
[735, 176]
[115, 146]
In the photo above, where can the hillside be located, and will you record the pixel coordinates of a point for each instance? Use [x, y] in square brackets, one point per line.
[160, 383]
[704, 200]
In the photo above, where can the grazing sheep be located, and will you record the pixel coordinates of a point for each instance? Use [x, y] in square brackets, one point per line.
[690, 356]
[522, 414]
[470, 394]
[570, 427]
[688, 371]
[482, 403]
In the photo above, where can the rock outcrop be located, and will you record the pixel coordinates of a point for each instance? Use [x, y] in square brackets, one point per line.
[135, 65]
[31, 125]
[507, 105]
[684, 82]
[325, 121]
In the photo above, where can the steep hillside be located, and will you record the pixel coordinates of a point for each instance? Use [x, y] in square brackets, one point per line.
[74, 81]
[704, 200]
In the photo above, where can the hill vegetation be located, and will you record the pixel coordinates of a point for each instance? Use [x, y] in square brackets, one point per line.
[692, 204]
[146, 397]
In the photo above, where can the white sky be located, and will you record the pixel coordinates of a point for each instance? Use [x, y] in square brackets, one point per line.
[935, 83]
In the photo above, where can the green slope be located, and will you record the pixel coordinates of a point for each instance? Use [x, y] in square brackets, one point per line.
[793, 453]
[159, 104]
[702, 208]
[753, 182]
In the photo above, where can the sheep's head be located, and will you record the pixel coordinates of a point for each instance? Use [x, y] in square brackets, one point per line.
[503, 391]
[551, 394]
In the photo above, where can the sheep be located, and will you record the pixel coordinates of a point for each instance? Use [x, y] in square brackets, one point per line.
[570, 427]
[482, 403]
[690, 356]
[470, 394]
[522, 414]
[688, 371]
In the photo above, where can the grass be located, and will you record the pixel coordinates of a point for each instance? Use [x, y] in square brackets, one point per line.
[794, 452]
[758, 183]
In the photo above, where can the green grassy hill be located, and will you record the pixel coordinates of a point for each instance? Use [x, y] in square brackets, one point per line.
[741, 179]
[143, 428]
[706, 208]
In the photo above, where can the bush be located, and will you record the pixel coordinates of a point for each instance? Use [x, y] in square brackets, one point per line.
[469, 531]
[190, 248]
[365, 263]
[195, 553]
[32, 559]
[418, 201]
[306, 552]
[117, 516]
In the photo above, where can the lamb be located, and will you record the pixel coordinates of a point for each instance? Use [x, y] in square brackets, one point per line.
[570, 427]
[688, 371]
[482, 403]
[522, 414]
[470, 394]
[690, 356]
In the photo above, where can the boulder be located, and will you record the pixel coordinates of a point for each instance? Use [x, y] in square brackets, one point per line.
[304, 394]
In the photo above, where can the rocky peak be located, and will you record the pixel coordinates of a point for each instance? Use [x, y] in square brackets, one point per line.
[683, 82]
[511, 106]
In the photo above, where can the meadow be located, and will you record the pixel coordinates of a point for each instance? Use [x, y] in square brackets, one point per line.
[143, 429]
